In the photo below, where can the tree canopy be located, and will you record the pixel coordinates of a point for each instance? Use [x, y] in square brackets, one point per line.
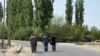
[1, 11]
[43, 13]
[69, 11]
[19, 13]
[79, 12]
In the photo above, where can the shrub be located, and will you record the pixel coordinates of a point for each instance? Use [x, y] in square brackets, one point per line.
[3, 30]
[22, 33]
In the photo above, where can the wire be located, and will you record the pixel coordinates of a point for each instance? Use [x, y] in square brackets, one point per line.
[92, 14]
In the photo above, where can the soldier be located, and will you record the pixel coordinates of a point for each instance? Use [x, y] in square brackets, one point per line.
[33, 41]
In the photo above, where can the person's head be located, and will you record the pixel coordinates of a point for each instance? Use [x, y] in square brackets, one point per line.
[31, 34]
[45, 34]
[34, 34]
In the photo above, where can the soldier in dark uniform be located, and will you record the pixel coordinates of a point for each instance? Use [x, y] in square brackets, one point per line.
[33, 41]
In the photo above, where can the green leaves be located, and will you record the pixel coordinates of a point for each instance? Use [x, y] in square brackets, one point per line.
[19, 15]
[69, 11]
[22, 33]
[95, 32]
[79, 12]
[43, 13]
[3, 30]
[1, 12]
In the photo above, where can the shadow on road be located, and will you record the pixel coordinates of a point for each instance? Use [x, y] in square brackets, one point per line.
[39, 52]
[56, 51]
[48, 51]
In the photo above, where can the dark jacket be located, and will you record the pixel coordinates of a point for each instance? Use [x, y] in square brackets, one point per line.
[45, 39]
[33, 39]
[53, 41]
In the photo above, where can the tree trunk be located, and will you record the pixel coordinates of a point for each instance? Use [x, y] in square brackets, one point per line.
[2, 41]
[9, 38]
[8, 23]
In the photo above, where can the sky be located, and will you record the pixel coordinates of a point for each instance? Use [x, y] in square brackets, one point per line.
[91, 13]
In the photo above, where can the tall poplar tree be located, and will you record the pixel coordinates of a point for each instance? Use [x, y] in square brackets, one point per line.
[79, 12]
[1, 11]
[43, 13]
[20, 13]
[69, 11]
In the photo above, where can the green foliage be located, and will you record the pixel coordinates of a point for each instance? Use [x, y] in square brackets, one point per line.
[95, 32]
[1, 11]
[22, 33]
[3, 30]
[58, 20]
[19, 18]
[22, 22]
[37, 31]
[43, 13]
[69, 11]
[19, 13]
[79, 32]
[66, 32]
[79, 12]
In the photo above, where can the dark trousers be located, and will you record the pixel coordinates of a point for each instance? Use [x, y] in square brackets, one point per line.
[53, 47]
[45, 47]
[33, 47]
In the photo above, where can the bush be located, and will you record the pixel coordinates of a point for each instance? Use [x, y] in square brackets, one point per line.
[3, 30]
[22, 34]
[95, 32]
[67, 33]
